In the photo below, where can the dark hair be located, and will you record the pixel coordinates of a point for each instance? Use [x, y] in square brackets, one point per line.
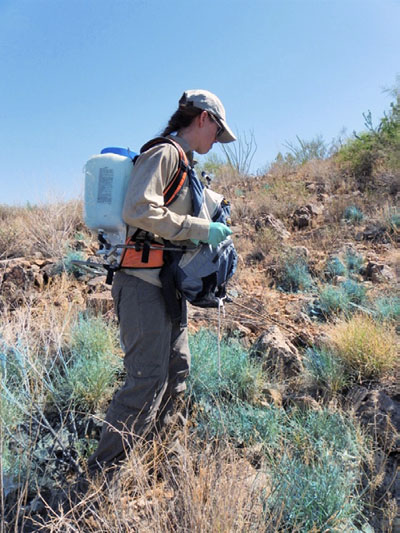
[182, 118]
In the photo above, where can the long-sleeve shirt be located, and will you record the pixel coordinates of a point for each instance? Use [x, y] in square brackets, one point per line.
[144, 202]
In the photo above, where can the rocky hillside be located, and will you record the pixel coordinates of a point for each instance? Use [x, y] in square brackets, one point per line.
[315, 303]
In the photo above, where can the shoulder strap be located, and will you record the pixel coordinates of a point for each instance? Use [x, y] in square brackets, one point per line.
[173, 188]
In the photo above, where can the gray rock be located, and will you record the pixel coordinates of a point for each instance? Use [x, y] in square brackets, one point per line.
[279, 356]
[269, 221]
[378, 272]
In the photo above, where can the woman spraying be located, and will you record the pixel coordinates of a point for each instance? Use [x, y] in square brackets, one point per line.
[157, 357]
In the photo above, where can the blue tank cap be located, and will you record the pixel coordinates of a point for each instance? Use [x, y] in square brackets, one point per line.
[119, 151]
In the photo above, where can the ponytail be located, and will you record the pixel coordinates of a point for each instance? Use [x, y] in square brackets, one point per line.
[182, 118]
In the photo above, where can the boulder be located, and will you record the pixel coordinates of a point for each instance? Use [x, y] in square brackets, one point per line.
[380, 414]
[302, 217]
[378, 272]
[279, 356]
[269, 221]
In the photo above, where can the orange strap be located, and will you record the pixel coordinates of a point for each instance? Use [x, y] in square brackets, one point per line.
[173, 188]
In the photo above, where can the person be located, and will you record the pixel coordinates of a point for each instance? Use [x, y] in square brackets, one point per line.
[157, 356]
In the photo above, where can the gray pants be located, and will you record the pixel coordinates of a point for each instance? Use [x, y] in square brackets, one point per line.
[157, 361]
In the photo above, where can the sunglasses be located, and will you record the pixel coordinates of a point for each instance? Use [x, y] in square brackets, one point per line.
[218, 123]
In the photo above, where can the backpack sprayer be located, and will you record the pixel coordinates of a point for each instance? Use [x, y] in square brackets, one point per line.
[200, 273]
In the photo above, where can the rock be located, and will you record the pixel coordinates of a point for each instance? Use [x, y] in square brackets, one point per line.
[101, 302]
[380, 414]
[97, 281]
[302, 217]
[277, 225]
[315, 209]
[375, 233]
[303, 401]
[378, 272]
[300, 251]
[279, 355]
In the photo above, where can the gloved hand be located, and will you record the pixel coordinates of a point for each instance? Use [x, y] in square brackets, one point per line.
[195, 241]
[217, 233]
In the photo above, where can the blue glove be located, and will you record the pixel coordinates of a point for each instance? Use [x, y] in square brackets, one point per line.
[195, 241]
[217, 233]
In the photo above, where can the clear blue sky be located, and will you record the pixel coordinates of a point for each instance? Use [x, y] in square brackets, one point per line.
[78, 75]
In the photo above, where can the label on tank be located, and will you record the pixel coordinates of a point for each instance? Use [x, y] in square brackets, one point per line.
[104, 193]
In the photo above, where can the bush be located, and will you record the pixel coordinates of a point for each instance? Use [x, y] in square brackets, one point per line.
[367, 349]
[326, 369]
[333, 300]
[343, 299]
[295, 275]
[354, 261]
[312, 460]
[334, 267]
[375, 146]
[230, 374]
[89, 374]
[353, 214]
[387, 308]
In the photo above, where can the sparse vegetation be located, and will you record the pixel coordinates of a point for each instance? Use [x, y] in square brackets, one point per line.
[255, 456]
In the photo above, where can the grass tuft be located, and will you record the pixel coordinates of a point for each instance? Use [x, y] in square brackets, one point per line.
[326, 369]
[367, 348]
[88, 375]
[353, 214]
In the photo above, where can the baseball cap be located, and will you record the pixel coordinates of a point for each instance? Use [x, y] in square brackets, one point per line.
[207, 101]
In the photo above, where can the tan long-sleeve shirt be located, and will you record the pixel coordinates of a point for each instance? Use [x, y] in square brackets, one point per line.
[144, 202]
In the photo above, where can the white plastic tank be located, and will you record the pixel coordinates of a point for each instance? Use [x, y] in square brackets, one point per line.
[106, 180]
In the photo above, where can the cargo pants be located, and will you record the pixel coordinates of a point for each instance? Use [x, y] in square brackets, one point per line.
[157, 362]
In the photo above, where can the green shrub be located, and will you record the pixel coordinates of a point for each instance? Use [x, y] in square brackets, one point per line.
[240, 422]
[316, 472]
[354, 261]
[68, 261]
[333, 300]
[376, 145]
[312, 460]
[387, 308]
[356, 291]
[89, 374]
[295, 275]
[353, 214]
[326, 369]
[231, 375]
[334, 267]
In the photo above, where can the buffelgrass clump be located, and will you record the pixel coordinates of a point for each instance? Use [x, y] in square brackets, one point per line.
[88, 373]
[356, 292]
[333, 300]
[387, 308]
[367, 348]
[326, 368]
[354, 261]
[295, 275]
[316, 474]
[240, 422]
[229, 374]
[353, 215]
[345, 299]
[68, 261]
[393, 219]
[335, 267]
[312, 459]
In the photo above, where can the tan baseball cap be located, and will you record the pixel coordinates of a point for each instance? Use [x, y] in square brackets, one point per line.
[209, 102]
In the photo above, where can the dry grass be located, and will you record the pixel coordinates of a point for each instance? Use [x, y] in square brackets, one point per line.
[368, 348]
[46, 229]
[176, 485]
